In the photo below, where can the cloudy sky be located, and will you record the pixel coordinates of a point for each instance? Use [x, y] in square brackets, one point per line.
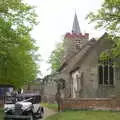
[56, 18]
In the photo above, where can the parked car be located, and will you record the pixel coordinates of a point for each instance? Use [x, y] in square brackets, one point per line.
[24, 107]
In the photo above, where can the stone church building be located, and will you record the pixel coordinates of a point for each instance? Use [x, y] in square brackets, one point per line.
[85, 75]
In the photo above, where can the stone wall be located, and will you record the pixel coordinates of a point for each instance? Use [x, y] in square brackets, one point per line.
[91, 103]
[32, 87]
[89, 66]
[86, 62]
[49, 93]
[47, 90]
[73, 43]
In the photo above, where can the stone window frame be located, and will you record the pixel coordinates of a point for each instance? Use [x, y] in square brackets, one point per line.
[104, 82]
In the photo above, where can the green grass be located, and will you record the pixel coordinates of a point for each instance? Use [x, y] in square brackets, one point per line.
[85, 115]
[1, 114]
[50, 106]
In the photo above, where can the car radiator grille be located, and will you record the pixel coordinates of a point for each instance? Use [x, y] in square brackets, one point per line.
[18, 109]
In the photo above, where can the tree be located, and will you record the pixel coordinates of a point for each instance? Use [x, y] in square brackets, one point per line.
[55, 57]
[17, 48]
[108, 17]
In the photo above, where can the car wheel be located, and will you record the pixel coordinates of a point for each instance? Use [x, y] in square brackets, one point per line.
[31, 115]
[41, 111]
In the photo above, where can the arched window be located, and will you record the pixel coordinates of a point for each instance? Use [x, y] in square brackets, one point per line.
[106, 72]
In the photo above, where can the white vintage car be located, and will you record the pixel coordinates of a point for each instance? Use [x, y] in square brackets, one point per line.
[27, 109]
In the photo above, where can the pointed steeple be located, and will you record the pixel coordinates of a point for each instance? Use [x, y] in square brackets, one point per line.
[76, 27]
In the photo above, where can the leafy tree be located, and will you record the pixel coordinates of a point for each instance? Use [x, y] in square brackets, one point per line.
[108, 17]
[17, 48]
[55, 57]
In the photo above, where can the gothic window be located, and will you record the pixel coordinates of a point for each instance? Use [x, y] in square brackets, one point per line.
[106, 72]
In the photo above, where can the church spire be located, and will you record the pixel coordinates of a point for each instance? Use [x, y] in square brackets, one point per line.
[76, 27]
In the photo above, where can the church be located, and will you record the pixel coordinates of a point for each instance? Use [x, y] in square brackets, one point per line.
[84, 73]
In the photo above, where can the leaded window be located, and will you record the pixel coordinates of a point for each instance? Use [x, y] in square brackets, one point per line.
[106, 72]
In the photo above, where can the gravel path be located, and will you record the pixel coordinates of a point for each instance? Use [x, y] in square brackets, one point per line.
[48, 112]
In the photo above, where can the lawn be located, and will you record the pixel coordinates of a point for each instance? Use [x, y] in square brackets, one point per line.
[86, 115]
[50, 106]
[1, 114]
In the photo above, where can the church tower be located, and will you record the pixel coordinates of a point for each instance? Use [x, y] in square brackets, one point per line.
[74, 41]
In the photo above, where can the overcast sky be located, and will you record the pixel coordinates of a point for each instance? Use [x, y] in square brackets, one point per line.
[56, 18]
